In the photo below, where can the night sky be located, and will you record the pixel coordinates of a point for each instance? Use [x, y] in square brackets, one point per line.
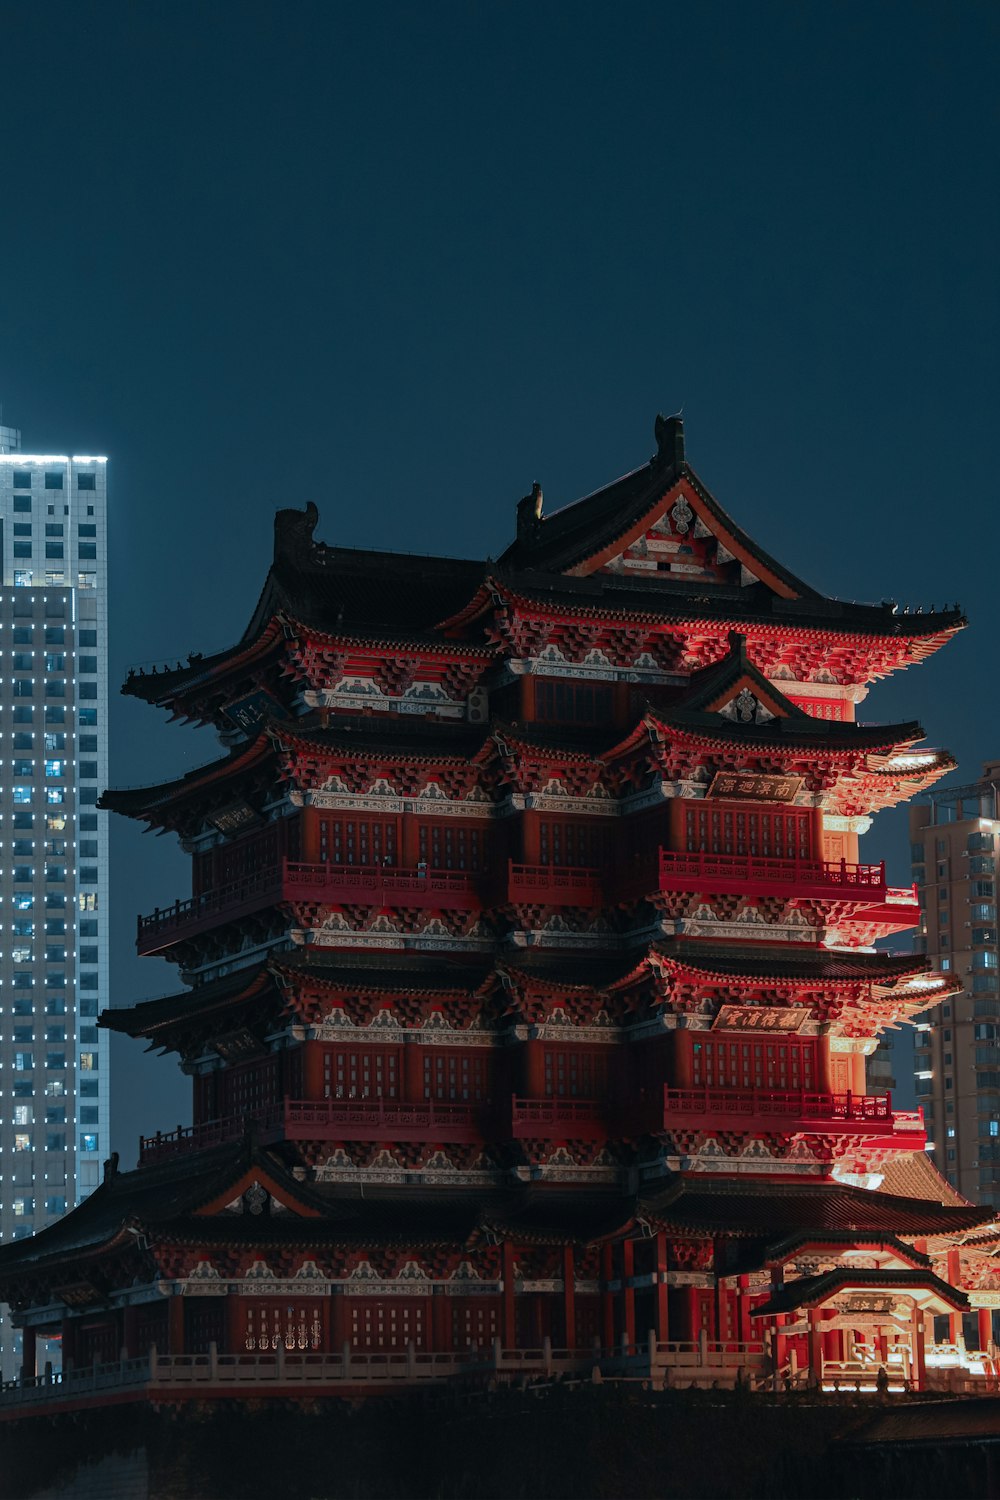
[405, 260]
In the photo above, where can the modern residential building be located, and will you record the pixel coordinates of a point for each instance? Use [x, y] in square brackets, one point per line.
[53, 841]
[954, 839]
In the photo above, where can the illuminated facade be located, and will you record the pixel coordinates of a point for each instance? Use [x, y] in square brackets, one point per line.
[54, 865]
[954, 846]
[530, 981]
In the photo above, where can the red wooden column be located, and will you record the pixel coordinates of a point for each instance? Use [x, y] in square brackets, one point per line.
[607, 1297]
[743, 1309]
[29, 1354]
[815, 1344]
[530, 837]
[569, 1297]
[413, 1073]
[919, 1351]
[235, 1335]
[662, 1290]
[683, 1060]
[340, 1322]
[312, 1070]
[984, 1319]
[130, 1341]
[534, 1069]
[509, 1322]
[409, 841]
[68, 1343]
[441, 1322]
[955, 1277]
[175, 1325]
[628, 1290]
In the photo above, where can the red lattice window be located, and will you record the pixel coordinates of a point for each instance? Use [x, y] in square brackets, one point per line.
[388, 1323]
[251, 1086]
[295, 1325]
[763, 833]
[575, 1073]
[578, 846]
[450, 847]
[360, 1073]
[474, 1322]
[754, 1062]
[357, 841]
[455, 1076]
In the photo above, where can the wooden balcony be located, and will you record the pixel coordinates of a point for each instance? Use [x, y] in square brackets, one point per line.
[351, 885]
[739, 874]
[791, 1112]
[382, 1120]
[557, 1119]
[326, 1120]
[227, 903]
[553, 885]
[379, 885]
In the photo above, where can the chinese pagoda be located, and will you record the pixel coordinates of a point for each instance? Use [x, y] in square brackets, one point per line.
[529, 979]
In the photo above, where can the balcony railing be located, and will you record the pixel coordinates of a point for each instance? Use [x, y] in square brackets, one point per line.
[381, 885]
[737, 873]
[293, 880]
[555, 1118]
[381, 1120]
[554, 885]
[168, 924]
[326, 1119]
[791, 1110]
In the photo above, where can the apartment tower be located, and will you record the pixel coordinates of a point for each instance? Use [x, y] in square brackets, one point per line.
[53, 841]
[954, 837]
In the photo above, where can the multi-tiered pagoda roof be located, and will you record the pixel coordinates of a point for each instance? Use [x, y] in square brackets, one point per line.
[529, 967]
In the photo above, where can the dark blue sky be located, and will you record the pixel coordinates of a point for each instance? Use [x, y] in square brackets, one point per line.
[403, 260]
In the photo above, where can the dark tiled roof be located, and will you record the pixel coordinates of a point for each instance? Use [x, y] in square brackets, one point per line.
[972, 1420]
[607, 594]
[147, 1016]
[429, 973]
[132, 801]
[790, 1244]
[914, 1175]
[765, 1210]
[791, 963]
[386, 734]
[558, 542]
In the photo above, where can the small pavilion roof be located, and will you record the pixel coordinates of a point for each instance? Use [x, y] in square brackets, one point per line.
[813, 1291]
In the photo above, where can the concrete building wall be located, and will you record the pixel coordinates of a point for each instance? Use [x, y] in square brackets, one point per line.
[54, 916]
[955, 846]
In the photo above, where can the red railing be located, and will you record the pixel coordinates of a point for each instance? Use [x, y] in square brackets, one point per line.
[295, 881]
[555, 885]
[185, 918]
[791, 1109]
[801, 877]
[557, 1117]
[164, 1144]
[326, 1119]
[381, 1119]
[381, 885]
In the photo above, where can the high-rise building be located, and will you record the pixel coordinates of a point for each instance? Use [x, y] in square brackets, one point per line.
[53, 840]
[954, 840]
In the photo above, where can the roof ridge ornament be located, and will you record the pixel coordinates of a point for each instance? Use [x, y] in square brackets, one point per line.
[669, 434]
[529, 514]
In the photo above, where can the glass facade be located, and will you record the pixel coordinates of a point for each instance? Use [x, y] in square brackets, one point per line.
[54, 1092]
